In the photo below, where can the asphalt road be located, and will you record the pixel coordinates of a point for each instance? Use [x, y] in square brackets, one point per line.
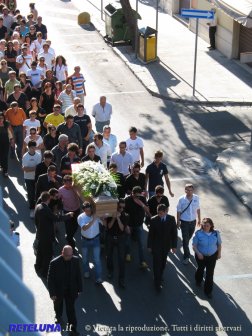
[190, 138]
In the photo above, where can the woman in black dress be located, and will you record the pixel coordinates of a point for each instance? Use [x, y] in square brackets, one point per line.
[50, 139]
[25, 85]
[11, 55]
[46, 100]
[6, 136]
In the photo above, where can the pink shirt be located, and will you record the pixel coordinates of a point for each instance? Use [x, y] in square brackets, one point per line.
[69, 198]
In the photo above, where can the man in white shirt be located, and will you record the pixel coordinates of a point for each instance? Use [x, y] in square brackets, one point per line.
[90, 235]
[102, 113]
[102, 149]
[35, 76]
[188, 210]
[135, 146]
[49, 57]
[23, 61]
[122, 159]
[72, 109]
[29, 162]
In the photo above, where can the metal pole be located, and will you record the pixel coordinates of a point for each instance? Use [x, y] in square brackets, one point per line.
[195, 55]
[157, 4]
[102, 9]
[136, 32]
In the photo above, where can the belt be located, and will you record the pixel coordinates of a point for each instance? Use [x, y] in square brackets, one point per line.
[82, 237]
[189, 222]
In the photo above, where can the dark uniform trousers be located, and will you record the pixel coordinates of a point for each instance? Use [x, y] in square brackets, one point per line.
[70, 309]
[207, 263]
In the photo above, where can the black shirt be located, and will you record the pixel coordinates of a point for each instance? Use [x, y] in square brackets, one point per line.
[132, 182]
[42, 29]
[41, 168]
[67, 275]
[135, 211]
[11, 54]
[153, 202]
[156, 174]
[115, 230]
[83, 121]
[88, 158]
[49, 141]
[3, 31]
[21, 100]
[66, 162]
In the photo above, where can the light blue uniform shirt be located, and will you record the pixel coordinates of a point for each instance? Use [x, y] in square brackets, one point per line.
[207, 244]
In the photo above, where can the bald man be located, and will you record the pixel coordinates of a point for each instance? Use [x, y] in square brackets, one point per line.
[64, 284]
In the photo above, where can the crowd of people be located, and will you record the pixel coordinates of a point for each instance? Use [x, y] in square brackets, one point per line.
[44, 126]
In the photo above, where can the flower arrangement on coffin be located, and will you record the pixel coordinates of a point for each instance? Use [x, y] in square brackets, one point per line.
[94, 183]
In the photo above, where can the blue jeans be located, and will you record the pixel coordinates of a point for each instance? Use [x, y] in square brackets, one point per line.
[93, 244]
[137, 233]
[19, 139]
[99, 125]
[187, 229]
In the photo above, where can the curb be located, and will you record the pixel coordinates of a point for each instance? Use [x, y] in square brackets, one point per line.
[235, 183]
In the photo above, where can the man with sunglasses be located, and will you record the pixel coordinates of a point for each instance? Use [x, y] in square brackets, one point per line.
[116, 228]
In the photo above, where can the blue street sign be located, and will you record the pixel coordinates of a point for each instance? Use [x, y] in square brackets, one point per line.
[197, 14]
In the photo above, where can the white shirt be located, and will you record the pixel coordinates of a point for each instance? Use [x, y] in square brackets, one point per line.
[35, 76]
[27, 65]
[66, 99]
[112, 142]
[104, 152]
[30, 161]
[39, 141]
[37, 46]
[60, 72]
[191, 212]
[133, 147]
[102, 113]
[48, 59]
[122, 161]
[94, 229]
[28, 123]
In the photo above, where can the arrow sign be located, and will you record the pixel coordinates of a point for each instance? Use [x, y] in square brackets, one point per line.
[197, 14]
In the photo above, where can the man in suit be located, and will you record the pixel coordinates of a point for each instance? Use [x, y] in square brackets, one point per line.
[47, 181]
[64, 284]
[161, 239]
[44, 221]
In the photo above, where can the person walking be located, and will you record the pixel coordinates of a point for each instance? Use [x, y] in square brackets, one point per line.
[188, 210]
[212, 30]
[162, 238]
[207, 247]
[90, 235]
[102, 112]
[135, 146]
[64, 284]
[6, 138]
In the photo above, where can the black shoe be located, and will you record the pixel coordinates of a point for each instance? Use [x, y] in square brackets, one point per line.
[158, 288]
[198, 284]
[59, 320]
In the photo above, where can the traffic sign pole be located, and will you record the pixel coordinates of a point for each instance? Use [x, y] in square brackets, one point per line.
[195, 55]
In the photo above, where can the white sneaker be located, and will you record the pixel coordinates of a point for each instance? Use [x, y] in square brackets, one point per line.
[32, 215]
[186, 261]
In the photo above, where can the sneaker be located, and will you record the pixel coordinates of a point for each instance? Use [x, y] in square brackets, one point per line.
[143, 265]
[86, 275]
[128, 258]
[32, 213]
[186, 261]
[99, 281]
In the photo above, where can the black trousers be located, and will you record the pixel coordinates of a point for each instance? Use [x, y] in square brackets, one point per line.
[207, 263]
[212, 31]
[30, 186]
[4, 154]
[71, 226]
[43, 257]
[159, 262]
[70, 309]
[119, 244]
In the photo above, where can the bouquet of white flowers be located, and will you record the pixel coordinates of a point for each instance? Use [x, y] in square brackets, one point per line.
[94, 180]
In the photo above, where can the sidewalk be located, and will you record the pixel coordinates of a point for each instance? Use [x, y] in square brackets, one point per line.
[219, 81]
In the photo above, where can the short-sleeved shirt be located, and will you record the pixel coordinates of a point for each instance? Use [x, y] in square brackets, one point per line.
[134, 146]
[54, 119]
[156, 174]
[112, 142]
[9, 86]
[83, 121]
[123, 162]
[30, 161]
[3, 31]
[69, 199]
[94, 229]
[191, 212]
[16, 119]
[207, 243]
[135, 211]
[66, 162]
[27, 65]
[38, 141]
[28, 123]
[35, 76]
[78, 83]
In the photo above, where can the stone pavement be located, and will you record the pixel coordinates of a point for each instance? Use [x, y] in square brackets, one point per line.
[219, 81]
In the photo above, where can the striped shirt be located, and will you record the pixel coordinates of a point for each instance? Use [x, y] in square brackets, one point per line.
[78, 83]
